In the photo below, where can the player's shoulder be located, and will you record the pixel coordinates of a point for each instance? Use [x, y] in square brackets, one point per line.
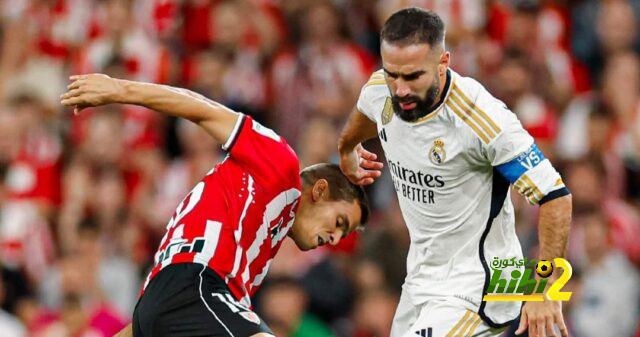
[472, 92]
[376, 85]
[471, 104]
[282, 151]
[262, 146]
[376, 78]
[260, 137]
[263, 130]
[374, 95]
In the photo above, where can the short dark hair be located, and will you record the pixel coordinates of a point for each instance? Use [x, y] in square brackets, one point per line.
[413, 26]
[340, 188]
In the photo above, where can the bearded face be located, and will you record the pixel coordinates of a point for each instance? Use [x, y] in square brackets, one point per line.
[411, 107]
[414, 73]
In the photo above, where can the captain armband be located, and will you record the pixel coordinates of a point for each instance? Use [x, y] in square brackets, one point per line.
[533, 176]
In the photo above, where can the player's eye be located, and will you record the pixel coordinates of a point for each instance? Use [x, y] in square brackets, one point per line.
[411, 77]
[340, 224]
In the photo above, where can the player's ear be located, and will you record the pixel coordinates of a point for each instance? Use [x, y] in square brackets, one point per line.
[320, 190]
[444, 62]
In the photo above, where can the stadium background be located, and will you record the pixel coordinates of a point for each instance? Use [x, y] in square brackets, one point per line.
[84, 199]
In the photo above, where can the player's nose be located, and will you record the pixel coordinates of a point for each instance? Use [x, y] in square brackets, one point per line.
[335, 237]
[402, 89]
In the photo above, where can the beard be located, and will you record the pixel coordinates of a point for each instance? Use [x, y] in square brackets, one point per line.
[423, 105]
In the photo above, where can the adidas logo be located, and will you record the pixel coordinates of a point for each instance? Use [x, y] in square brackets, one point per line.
[424, 332]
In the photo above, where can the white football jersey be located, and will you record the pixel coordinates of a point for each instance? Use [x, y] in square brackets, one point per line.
[452, 170]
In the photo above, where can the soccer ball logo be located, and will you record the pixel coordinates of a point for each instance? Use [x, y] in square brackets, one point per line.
[544, 268]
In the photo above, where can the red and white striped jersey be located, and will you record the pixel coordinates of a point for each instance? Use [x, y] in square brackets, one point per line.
[235, 219]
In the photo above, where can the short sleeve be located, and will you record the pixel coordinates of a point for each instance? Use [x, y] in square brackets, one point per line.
[364, 105]
[368, 96]
[260, 149]
[516, 156]
[511, 138]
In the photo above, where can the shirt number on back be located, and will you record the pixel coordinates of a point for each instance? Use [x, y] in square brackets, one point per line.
[177, 244]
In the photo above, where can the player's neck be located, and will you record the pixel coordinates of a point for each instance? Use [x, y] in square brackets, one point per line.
[441, 88]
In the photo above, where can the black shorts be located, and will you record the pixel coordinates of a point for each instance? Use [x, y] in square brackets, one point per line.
[189, 299]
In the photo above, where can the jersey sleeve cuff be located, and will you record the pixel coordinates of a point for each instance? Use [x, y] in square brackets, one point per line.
[561, 192]
[234, 133]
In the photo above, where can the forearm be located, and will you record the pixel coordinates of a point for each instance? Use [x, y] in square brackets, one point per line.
[214, 117]
[553, 227]
[358, 129]
[168, 100]
[92, 90]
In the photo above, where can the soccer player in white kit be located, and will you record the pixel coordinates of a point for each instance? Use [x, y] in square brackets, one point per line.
[453, 150]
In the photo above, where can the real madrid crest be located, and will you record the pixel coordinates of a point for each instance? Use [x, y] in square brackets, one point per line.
[437, 153]
[387, 112]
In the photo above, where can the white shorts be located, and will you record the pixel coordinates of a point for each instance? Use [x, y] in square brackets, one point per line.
[450, 317]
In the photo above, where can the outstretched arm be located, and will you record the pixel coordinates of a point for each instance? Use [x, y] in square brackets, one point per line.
[553, 231]
[358, 164]
[97, 89]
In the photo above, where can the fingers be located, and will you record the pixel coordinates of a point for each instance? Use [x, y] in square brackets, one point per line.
[540, 327]
[365, 181]
[564, 332]
[550, 331]
[533, 328]
[76, 94]
[366, 154]
[85, 76]
[71, 94]
[375, 174]
[524, 322]
[72, 101]
[370, 174]
[82, 92]
[541, 323]
[364, 177]
[368, 161]
[74, 85]
[370, 164]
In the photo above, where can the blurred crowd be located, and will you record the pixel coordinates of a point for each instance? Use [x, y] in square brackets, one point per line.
[84, 200]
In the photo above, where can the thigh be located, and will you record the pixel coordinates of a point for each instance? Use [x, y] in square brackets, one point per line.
[449, 319]
[168, 302]
[405, 316]
[180, 301]
[235, 319]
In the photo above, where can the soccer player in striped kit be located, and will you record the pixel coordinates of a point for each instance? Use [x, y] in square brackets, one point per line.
[225, 233]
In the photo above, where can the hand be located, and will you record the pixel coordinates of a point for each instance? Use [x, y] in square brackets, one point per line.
[91, 90]
[539, 317]
[360, 166]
